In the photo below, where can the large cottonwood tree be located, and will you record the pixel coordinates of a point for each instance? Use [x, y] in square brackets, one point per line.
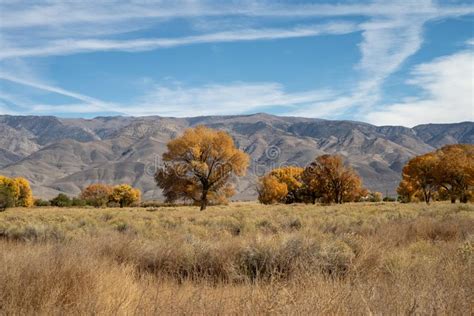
[330, 180]
[448, 171]
[420, 174]
[199, 165]
[455, 171]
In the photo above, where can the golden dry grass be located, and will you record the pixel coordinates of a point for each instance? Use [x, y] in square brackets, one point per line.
[245, 258]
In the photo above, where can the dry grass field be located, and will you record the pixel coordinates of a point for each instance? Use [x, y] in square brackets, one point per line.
[245, 258]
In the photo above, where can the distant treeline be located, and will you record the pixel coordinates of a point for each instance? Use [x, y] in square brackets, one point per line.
[200, 165]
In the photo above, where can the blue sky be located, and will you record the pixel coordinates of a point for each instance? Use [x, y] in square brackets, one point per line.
[383, 62]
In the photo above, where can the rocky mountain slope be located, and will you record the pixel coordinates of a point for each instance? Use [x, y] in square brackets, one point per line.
[64, 155]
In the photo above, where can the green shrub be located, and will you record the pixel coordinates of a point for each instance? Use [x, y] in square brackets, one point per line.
[78, 202]
[6, 198]
[62, 200]
[40, 202]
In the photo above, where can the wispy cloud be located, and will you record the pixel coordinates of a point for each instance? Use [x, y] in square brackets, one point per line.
[222, 99]
[70, 46]
[178, 99]
[61, 13]
[53, 89]
[449, 85]
[67, 27]
[386, 45]
[388, 40]
[391, 33]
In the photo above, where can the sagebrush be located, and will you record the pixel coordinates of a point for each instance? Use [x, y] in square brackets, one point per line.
[245, 258]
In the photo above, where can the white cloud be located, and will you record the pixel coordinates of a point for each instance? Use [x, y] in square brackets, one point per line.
[66, 27]
[66, 13]
[335, 107]
[219, 99]
[70, 46]
[388, 40]
[53, 89]
[448, 83]
[386, 45]
[176, 99]
[391, 33]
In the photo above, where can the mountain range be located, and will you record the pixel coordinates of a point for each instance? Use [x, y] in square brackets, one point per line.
[66, 154]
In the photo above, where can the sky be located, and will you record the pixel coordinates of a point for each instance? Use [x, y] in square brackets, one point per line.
[401, 62]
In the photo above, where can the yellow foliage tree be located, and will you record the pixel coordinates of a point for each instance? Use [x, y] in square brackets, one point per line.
[25, 195]
[281, 185]
[97, 194]
[199, 165]
[329, 179]
[270, 190]
[125, 195]
[290, 175]
[11, 186]
[17, 190]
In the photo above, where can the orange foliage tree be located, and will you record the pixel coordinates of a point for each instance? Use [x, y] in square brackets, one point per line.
[448, 171]
[419, 174]
[270, 190]
[281, 185]
[97, 194]
[455, 171]
[199, 165]
[406, 191]
[330, 180]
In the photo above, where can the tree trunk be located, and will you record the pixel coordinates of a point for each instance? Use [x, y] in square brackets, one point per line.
[427, 197]
[204, 200]
[453, 199]
[336, 196]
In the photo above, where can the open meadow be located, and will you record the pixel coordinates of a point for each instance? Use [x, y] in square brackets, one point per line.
[244, 258]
